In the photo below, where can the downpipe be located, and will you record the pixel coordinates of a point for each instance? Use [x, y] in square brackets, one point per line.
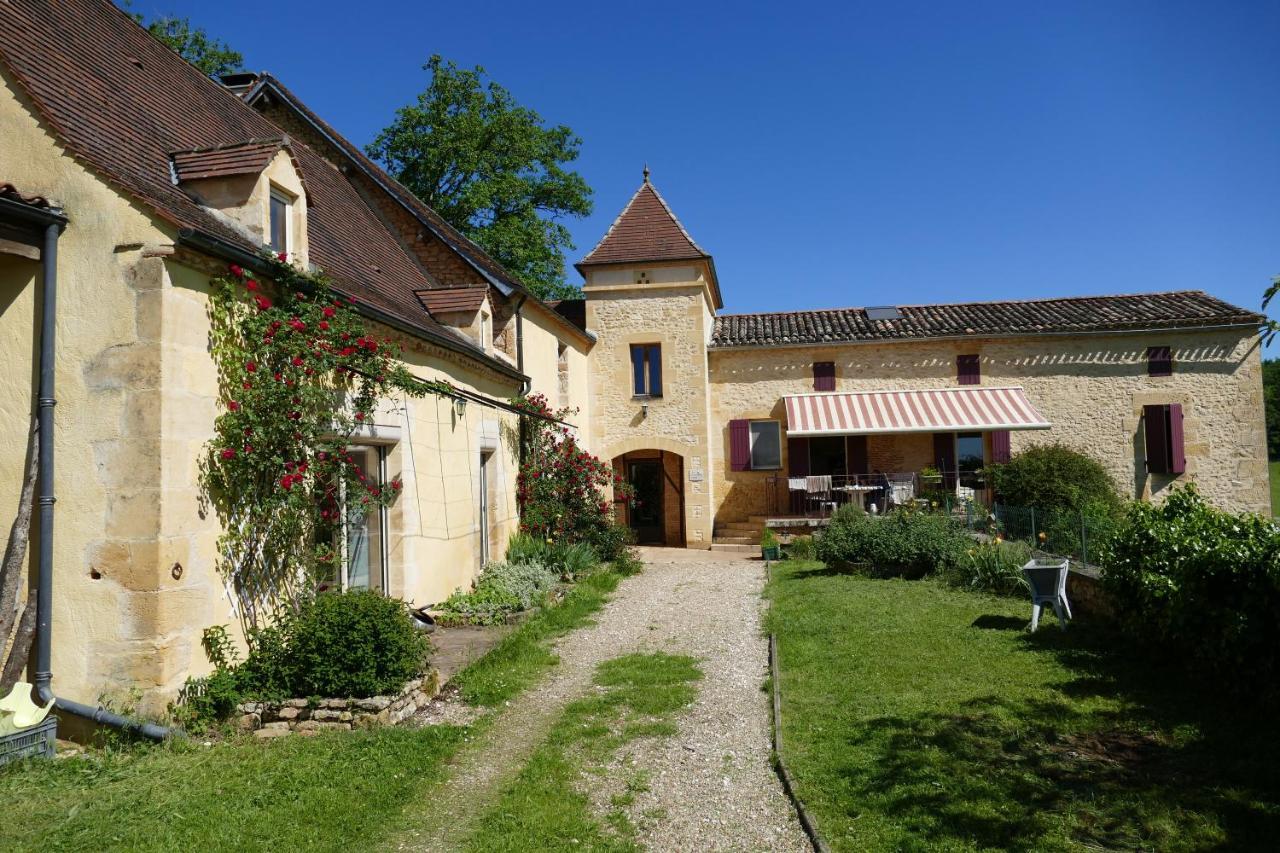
[44, 590]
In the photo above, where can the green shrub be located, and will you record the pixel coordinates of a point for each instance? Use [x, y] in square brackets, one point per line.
[500, 590]
[627, 563]
[524, 548]
[992, 566]
[577, 560]
[353, 644]
[768, 539]
[609, 541]
[903, 542]
[1203, 586]
[1053, 477]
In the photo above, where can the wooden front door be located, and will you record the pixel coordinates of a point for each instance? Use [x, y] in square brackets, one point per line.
[645, 477]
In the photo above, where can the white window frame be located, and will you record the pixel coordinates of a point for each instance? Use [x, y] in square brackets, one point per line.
[383, 522]
[287, 199]
[751, 433]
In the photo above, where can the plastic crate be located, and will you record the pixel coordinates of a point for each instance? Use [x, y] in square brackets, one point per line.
[39, 741]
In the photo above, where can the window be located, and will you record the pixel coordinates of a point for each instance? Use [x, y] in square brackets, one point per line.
[968, 371]
[766, 445]
[280, 207]
[486, 335]
[824, 376]
[969, 459]
[360, 537]
[1166, 448]
[1159, 361]
[646, 370]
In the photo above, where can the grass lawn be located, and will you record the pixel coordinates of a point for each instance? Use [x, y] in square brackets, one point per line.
[920, 717]
[1275, 488]
[336, 791]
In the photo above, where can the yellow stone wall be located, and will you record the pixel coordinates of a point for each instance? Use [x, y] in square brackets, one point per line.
[1092, 388]
[671, 310]
[135, 582]
[561, 377]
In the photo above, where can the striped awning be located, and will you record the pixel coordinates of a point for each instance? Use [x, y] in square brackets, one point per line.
[944, 410]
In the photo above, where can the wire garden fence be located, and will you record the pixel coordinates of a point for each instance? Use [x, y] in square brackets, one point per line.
[1076, 535]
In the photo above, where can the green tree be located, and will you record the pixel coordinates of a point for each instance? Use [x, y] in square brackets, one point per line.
[1271, 403]
[212, 56]
[492, 169]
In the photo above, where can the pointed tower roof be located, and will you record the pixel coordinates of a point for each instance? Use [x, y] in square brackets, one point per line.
[647, 230]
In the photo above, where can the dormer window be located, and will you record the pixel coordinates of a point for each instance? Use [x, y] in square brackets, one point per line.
[281, 209]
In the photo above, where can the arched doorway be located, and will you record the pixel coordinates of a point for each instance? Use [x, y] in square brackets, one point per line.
[655, 513]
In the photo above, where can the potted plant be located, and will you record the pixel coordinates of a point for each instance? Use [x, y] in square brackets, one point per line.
[769, 548]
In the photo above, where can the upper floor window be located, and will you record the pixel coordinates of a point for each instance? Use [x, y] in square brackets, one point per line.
[968, 371]
[1159, 361]
[646, 370]
[281, 206]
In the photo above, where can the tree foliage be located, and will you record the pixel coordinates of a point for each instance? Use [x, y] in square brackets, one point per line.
[1054, 477]
[1271, 403]
[493, 169]
[211, 55]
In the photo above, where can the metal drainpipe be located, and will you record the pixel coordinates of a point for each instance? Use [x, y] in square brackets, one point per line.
[526, 383]
[44, 589]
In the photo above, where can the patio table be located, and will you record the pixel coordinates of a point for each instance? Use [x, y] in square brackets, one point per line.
[859, 492]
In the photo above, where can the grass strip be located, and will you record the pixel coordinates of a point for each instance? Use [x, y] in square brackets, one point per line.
[544, 808]
[522, 656]
[333, 791]
[918, 716]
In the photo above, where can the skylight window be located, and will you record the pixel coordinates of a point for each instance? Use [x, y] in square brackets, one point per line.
[883, 312]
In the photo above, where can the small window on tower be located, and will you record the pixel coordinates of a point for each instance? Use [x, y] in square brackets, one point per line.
[281, 206]
[642, 277]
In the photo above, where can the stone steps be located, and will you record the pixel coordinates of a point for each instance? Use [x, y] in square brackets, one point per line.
[735, 540]
[735, 549]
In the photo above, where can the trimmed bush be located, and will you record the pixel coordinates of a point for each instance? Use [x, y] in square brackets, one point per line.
[1053, 477]
[352, 644]
[501, 589]
[1202, 585]
[904, 542]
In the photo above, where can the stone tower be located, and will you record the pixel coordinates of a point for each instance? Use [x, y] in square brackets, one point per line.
[651, 297]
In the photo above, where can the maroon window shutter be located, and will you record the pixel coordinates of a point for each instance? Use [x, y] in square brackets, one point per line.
[855, 449]
[1000, 451]
[798, 457]
[968, 371]
[1159, 361]
[739, 445]
[1155, 425]
[1177, 448]
[824, 376]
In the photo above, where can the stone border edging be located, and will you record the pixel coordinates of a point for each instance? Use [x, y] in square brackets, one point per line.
[807, 823]
[268, 719]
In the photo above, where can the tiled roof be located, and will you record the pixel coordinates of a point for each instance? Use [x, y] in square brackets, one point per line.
[450, 299]
[1181, 309]
[645, 230]
[241, 158]
[121, 103]
[12, 193]
[573, 310]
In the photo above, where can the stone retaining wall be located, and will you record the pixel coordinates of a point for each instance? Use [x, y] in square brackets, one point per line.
[305, 716]
[1085, 592]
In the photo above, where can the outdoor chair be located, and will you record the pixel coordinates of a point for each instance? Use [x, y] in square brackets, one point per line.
[1048, 582]
[902, 489]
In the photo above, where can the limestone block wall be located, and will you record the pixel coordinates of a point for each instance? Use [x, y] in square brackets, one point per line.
[1092, 388]
[673, 315]
[560, 376]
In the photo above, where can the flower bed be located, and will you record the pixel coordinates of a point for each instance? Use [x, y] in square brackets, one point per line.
[268, 719]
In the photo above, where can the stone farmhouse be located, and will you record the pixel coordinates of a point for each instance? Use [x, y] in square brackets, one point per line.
[128, 180]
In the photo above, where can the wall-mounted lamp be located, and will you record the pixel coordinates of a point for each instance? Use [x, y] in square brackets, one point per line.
[644, 411]
[460, 406]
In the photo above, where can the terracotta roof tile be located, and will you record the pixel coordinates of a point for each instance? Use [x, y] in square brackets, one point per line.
[121, 103]
[645, 230]
[12, 193]
[449, 299]
[1180, 309]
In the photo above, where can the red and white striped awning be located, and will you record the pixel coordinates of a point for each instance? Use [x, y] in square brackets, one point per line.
[944, 410]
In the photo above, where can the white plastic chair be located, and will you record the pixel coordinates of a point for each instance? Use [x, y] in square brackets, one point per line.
[1048, 582]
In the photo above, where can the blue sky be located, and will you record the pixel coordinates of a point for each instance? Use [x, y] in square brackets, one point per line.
[852, 153]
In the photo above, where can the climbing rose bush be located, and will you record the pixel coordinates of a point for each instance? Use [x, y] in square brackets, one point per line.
[562, 490]
[298, 374]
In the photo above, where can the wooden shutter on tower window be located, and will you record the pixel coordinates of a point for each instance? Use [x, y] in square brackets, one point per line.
[824, 376]
[1159, 361]
[739, 445]
[1000, 452]
[1162, 429]
[798, 457]
[968, 372]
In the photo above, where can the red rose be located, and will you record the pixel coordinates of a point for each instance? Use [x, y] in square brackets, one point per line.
[282, 257]
[286, 482]
[235, 270]
[397, 485]
[324, 325]
[297, 361]
[233, 406]
[359, 416]
[328, 312]
[248, 448]
[263, 302]
[251, 285]
[228, 453]
[296, 324]
[251, 366]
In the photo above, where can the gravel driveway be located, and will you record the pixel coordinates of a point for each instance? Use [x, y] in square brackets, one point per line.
[711, 786]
